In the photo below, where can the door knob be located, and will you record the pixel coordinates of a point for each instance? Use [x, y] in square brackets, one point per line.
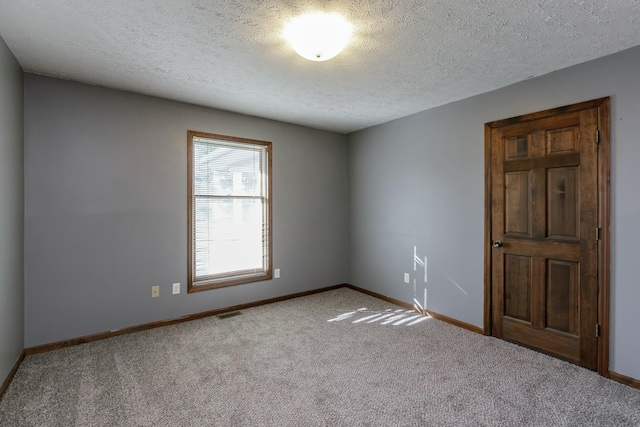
[497, 244]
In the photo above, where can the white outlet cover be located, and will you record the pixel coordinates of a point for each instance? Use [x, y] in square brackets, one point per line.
[406, 277]
[176, 288]
[276, 273]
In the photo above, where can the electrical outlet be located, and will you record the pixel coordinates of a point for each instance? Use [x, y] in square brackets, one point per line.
[406, 277]
[276, 273]
[176, 288]
[155, 291]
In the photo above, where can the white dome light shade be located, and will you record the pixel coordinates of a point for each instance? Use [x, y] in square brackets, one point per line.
[319, 36]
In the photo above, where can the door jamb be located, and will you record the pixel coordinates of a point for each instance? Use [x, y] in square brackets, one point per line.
[604, 215]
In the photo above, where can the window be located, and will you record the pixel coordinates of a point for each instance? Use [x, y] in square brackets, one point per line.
[229, 211]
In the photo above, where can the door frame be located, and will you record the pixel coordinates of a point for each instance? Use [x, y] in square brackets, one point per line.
[604, 214]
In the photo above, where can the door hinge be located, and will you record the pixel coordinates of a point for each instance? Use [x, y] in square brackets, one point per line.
[597, 137]
[597, 330]
[597, 233]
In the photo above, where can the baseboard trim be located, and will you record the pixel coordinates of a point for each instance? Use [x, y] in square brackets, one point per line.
[456, 322]
[12, 373]
[623, 379]
[44, 348]
[403, 304]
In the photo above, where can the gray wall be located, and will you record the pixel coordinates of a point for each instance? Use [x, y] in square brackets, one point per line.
[418, 181]
[11, 212]
[106, 208]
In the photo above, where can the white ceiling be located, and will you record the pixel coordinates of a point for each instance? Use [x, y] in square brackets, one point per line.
[406, 55]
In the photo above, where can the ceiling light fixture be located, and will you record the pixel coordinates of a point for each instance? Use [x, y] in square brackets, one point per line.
[319, 36]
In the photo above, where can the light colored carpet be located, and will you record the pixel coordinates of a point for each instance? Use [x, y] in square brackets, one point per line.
[287, 364]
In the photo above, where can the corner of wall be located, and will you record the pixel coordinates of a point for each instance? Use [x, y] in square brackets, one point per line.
[11, 212]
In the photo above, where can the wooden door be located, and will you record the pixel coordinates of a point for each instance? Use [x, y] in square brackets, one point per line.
[545, 230]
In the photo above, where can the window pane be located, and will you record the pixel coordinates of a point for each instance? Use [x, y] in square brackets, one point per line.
[229, 235]
[227, 170]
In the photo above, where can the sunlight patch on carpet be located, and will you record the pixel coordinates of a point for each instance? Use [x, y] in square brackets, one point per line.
[386, 317]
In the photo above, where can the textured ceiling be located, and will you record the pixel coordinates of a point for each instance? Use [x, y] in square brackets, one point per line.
[406, 55]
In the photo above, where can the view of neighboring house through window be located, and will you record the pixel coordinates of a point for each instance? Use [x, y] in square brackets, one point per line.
[229, 210]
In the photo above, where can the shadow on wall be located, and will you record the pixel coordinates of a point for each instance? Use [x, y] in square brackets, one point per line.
[422, 262]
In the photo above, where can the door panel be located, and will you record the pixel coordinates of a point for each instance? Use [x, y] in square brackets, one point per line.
[562, 294]
[518, 203]
[563, 140]
[517, 287]
[563, 215]
[516, 147]
[544, 213]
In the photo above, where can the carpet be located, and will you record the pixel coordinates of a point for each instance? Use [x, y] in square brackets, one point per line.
[338, 358]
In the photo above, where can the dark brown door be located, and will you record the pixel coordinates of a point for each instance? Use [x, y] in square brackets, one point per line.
[544, 231]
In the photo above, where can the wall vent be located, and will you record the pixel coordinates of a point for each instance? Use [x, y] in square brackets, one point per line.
[231, 314]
